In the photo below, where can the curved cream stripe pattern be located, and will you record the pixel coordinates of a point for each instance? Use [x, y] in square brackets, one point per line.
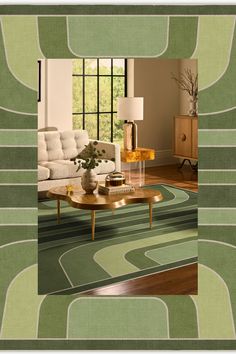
[180, 196]
[213, 306]
[120, 307]
[112, 258]
[213, 55]
[23, 30]
[21, 321]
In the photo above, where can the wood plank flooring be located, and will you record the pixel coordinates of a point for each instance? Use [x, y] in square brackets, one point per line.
[179, 281]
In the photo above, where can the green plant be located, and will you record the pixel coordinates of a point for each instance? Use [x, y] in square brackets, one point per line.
[188, 82]
[90, 157]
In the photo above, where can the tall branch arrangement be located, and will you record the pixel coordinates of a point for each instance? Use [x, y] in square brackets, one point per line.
[188, 82]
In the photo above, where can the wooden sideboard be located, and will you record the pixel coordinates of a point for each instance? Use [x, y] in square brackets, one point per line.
[185, 137]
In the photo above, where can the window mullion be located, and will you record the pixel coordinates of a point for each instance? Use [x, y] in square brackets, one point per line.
[83, 93]
[98, 97]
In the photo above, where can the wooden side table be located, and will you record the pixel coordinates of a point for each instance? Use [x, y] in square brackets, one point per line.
[139, 155]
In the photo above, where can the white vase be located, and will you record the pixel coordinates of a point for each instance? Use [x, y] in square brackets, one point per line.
[88, 181]
[192, 106]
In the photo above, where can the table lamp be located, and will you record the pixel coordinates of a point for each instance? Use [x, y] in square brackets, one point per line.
[129, 110]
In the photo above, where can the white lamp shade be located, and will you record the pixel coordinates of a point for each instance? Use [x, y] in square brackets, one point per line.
[130, 108]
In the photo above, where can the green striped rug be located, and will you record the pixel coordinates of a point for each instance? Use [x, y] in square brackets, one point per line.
[124, 247]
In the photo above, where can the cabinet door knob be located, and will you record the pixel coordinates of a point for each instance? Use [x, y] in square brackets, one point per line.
[183, 137]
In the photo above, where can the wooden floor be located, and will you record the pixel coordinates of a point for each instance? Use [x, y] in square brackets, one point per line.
[179, 281]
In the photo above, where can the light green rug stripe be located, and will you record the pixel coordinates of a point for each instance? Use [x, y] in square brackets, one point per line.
[216, 216]
[112, 258]
[133, 318]
[213, 47]
[21, 43]
[174, 253]
[112, 35]
[21, 313]
[18, 138]
[213, 306]
[18, 216]
[18, 177]
[216, 137]
[217, 176]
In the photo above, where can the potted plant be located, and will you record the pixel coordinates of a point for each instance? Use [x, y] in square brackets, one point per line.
[188, 82]
[89, 159]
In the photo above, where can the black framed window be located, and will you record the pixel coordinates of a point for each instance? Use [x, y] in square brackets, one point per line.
[97, 83]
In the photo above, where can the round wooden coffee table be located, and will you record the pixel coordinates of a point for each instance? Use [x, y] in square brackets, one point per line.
[78, 199]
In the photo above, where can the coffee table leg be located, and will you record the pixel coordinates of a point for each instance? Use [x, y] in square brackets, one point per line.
[58, 211]
[93, 223]
[150, 215]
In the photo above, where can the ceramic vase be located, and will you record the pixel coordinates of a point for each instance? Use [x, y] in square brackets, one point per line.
[88, 181]
[192, 106]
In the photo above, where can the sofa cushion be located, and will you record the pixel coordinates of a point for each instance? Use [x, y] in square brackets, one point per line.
[62, 169]
[43, 173]
[106, 167]
[61, 145]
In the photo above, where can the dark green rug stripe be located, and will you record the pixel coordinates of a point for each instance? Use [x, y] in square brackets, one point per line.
[16, 233]
[225, 120]
[217, 158]
[181, 310]
[18, 158]
[217, 196]
[118, 9]
[218, 233]
[50, 241]
[109, 281]
[85, 223]
[108, 344]
[53, 316]
[18, 196]
[181, 29]
[10, 120]
[53, 37]
[137, 257]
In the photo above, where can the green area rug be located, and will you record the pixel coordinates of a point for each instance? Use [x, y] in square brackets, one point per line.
[124, 247]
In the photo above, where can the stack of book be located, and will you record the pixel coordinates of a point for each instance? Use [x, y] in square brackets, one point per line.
[125, 188]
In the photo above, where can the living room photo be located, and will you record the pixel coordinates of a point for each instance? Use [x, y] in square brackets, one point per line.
[117, 176]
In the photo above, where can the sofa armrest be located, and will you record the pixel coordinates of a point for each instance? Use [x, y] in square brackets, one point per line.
[112, 152]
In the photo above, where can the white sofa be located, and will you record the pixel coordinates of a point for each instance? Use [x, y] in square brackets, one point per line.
[55, 149]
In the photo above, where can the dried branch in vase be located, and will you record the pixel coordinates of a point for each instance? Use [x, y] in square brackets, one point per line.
[188, 81]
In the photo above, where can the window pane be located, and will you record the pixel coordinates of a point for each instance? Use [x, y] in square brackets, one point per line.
[105, 127]
[90, 94]
[118, 66]
[77, 66]
[77, 94]
[118, 90]
[104, 94]
[91, 66]
[91, 125]
[117, 130]
[105, 66]
[77, 121]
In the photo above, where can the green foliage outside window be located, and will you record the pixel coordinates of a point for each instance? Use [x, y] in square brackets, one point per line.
[107, 105]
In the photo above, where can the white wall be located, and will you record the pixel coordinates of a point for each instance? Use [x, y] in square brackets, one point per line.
[152, 80]
[56, 107]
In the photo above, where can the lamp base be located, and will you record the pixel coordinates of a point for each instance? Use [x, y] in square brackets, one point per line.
[130, 136]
